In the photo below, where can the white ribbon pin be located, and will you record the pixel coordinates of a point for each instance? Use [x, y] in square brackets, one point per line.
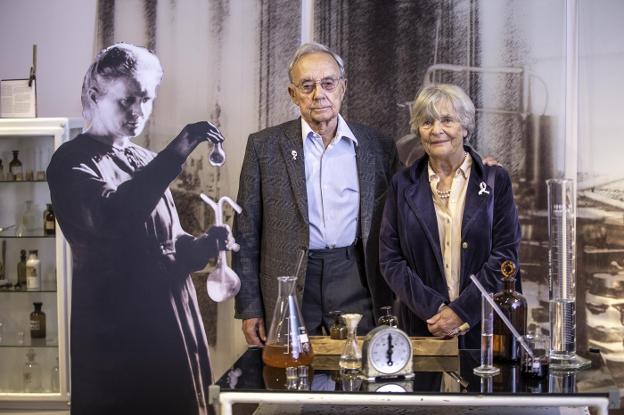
[294, 154]
[483, 189]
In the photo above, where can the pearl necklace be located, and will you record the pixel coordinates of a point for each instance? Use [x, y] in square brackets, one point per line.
[446, 194]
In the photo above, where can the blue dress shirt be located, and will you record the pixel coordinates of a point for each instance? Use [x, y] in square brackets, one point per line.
[332, 187]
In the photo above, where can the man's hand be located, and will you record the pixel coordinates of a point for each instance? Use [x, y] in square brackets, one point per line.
[441, 324]
[253, 328]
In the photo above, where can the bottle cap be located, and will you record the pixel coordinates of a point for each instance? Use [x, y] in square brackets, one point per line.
[508, 269]
[37, 304]
[33, 252]
[23, 252]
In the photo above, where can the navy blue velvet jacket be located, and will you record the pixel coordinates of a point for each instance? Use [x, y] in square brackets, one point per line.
[410, 254]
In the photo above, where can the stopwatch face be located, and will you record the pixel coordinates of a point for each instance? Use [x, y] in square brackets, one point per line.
[390, 350]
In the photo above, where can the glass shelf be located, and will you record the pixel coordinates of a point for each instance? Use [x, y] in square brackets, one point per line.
[46, 287]
[13, 340]
[10, 234]
[23, 181]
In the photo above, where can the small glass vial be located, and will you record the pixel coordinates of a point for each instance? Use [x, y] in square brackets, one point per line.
[387, 318]
[33, 271]
[37, 322]
[54, 377]
[49, 221]
[292, 380]
[21, 270]
[304, 385]
[338, 330]
[31, 375]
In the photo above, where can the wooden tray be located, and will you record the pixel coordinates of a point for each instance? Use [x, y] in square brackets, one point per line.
[423, 346]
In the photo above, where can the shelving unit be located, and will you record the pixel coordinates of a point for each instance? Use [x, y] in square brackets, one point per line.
[36, 140]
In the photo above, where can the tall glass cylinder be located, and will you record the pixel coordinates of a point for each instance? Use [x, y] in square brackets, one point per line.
[487, 333]
[562, 274]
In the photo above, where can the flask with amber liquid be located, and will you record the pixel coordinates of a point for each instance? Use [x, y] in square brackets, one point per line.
[49, 221]
[514, 306]
[288, 343]
[37, 322]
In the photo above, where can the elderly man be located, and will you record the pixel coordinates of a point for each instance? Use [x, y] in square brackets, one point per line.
[315, 185]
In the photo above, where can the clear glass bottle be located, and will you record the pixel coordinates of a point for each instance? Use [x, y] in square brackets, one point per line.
[387, 318]
[54, 377]
[16, 170]
[288, 343]
[37, 322]
[49, 221]
[338, 330]
[351, 356]
[21, 270]
[514, 306]
[27, 222]
[33, 271]
[31, 375]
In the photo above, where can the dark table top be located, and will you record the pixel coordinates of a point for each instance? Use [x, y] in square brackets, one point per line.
[433, 375]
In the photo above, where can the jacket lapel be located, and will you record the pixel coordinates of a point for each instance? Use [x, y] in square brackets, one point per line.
[292, 150]
[475, 198]
[418, 198]
[365, 160]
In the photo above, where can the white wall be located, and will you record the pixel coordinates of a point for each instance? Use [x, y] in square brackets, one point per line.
[63, 31]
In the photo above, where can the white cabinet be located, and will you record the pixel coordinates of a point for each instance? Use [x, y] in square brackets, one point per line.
[35, 139]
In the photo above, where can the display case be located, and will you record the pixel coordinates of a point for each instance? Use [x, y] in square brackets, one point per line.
[34, 366]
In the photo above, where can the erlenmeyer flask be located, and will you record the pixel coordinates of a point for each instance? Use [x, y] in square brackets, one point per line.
[288, 343]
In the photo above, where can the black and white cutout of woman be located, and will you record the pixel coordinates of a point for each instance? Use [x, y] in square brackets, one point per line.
[138, 344]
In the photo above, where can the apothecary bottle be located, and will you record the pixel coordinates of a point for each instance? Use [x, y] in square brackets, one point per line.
[338, 330]
[33, 271]
[38, 322]
[16, 170]
[49, 221]
[31, 375]
[514, 306]
[21, 270]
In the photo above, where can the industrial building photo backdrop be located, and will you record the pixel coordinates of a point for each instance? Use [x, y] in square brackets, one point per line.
[546, 83]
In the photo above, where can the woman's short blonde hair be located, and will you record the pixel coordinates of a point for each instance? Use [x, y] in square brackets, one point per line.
[428, 99]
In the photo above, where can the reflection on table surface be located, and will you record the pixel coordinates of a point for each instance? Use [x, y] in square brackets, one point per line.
[447, 374]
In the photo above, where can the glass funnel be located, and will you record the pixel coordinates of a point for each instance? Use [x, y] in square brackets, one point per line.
[351, 357]
[288, 343]
[562, 274]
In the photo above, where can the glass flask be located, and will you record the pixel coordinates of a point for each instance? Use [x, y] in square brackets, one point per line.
[31, 375]
[217, 155]
[351, 356]
[387, 318]
[338, 330]
[16, 171]
[514, 306]
[562, 274]
[28, 221]
[288, 343]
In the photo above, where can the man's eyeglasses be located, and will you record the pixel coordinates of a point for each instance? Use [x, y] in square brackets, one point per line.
[328, 84]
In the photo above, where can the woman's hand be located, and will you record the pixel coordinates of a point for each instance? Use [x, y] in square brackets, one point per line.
[193, 134]
[443, 323]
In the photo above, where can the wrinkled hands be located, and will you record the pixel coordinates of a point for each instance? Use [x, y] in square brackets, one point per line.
[254, 331]
[443, 323]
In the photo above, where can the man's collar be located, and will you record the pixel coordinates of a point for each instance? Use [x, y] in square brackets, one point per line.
[342, 130]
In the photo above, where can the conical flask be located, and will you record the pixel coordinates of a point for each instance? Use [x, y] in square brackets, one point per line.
[288, 343]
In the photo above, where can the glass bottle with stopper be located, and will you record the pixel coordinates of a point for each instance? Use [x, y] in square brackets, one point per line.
[387, 318]
[338, 330]
[514, 306]
[287, 344]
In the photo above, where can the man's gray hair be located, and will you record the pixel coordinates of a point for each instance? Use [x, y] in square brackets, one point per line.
[117, 61]
[313, 47]
[425, 106]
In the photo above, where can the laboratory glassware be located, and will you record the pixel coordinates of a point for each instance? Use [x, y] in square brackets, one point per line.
[387, 318]
[351, 356]
[562, 275]
[222, 282]
[487, 329]
[288, 343]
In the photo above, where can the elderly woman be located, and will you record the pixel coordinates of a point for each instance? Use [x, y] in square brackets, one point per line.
[137, 340]
[446, 217]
